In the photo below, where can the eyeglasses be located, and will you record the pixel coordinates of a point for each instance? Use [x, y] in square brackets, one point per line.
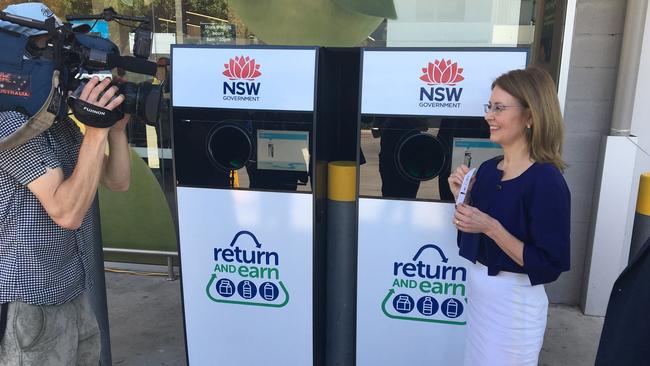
[498, 108]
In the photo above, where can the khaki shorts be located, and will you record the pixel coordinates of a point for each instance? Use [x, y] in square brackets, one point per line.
[51, 335]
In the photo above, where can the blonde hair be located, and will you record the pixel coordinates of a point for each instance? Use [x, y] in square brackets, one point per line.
[534, 89]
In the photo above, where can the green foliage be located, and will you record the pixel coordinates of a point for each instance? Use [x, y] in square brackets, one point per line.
[139, 218]
[378, 8]
[213, 8]
[300, 22]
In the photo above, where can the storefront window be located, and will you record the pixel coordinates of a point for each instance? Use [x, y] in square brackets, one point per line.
[537, 24]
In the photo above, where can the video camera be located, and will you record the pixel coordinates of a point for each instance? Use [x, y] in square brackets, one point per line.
[74, 55]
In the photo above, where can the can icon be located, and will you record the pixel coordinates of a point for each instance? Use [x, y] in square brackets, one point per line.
[269, 291]
[452, 308]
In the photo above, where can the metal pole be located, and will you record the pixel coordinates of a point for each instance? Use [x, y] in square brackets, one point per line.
[641, 228]
[341, 267]
[170, 270]
[178, 7]
[97, 295]
[171, 276]
[162, 253]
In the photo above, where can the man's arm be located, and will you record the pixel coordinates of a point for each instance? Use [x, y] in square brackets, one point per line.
[67, 200]
[116, 174]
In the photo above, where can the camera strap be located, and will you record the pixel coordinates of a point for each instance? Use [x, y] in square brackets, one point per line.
[92, 115]
[40, 121]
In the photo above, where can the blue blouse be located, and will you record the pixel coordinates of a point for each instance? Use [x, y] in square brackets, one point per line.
[535, 207]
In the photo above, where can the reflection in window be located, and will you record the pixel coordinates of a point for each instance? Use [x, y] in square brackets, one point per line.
[462, 23]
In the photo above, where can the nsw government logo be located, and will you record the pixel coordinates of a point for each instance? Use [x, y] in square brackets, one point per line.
[241, 85]
[427, 290]
[246, 276]
[441, 77]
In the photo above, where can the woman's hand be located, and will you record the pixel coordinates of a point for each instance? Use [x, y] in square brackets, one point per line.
[455, 179]
[472, 220]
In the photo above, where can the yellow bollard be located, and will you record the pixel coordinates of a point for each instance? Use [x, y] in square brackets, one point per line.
[641, 228]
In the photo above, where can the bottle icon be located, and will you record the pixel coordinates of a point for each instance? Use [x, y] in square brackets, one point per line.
[247, 290]
[427, 306]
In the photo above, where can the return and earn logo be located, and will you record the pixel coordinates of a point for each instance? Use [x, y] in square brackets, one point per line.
[246, 276]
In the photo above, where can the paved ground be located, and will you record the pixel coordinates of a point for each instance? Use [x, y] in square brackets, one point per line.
[147, 328]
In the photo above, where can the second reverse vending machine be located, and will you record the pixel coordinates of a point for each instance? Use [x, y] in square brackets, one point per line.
[421, 116]
[244, 134]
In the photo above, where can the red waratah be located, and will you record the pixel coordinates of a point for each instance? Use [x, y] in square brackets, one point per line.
[241, 68]
[442, 72]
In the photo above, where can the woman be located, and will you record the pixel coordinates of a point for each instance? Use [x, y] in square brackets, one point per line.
[514, 227]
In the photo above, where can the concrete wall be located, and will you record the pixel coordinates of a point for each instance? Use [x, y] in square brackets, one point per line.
[597, 36]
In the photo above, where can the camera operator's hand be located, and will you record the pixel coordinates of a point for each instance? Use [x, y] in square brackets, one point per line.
[96, 104]
[120, 126]
[102, 95]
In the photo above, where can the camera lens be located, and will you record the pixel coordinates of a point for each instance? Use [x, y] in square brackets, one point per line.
[142, 100]
[130, 92]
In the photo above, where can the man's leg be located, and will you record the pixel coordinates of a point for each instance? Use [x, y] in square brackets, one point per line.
[54, 335]
[89, 337]
[39, 335]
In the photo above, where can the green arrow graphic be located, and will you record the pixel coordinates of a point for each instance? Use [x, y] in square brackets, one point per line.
[390, 294]
[214, 277]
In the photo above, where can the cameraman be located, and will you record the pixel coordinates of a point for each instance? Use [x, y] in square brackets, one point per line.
[48, 230]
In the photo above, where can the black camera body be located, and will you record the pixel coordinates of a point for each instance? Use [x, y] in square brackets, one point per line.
[75, 54]
[90, 54]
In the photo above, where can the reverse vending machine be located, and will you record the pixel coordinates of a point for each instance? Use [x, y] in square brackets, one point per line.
[244, 143]
[421, 116]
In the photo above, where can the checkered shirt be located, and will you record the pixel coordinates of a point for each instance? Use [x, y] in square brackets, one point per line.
[41, 263]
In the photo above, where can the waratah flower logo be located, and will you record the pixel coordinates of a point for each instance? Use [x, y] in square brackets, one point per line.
[242, 68]
[443, 72]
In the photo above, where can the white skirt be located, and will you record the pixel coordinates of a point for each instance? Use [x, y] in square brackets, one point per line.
[506, 319]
